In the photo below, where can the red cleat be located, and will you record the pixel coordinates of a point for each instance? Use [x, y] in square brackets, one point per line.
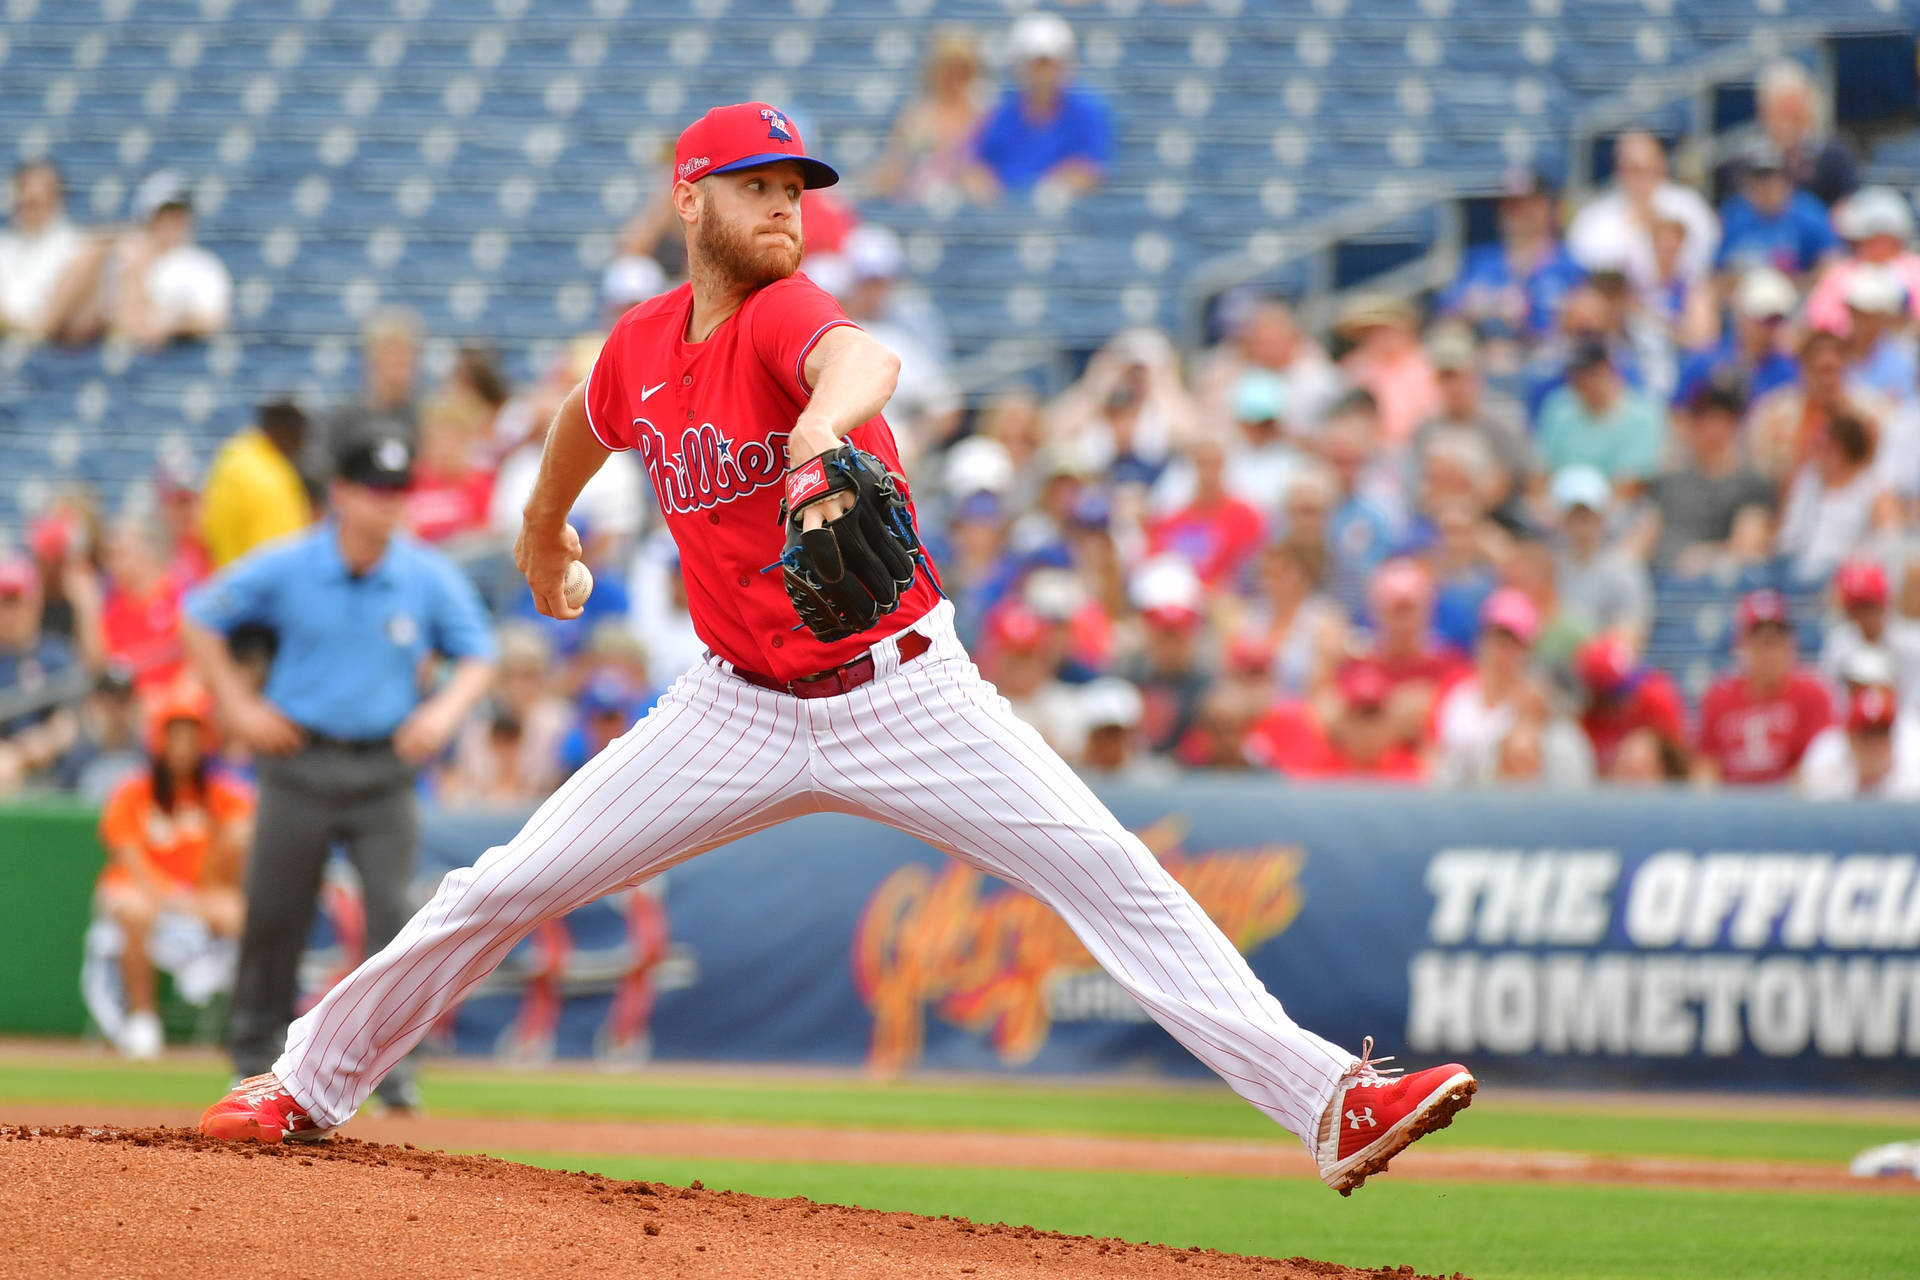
[260, 1110]
[1374, 1116]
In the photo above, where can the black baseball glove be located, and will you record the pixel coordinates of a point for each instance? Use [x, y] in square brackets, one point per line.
[848, 573]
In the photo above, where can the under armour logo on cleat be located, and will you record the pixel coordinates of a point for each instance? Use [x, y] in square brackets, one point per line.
[1362, 1118]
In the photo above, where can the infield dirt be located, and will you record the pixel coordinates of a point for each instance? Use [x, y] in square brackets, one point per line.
[80, 1200]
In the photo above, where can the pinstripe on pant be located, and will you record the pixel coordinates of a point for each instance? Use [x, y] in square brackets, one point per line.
[930, 749]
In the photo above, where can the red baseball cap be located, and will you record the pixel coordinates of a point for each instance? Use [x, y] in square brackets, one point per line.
[1364, 684]
[1605, 663]
[742, 136]
[1762, 608]
[1861, 582]
[1870, 707]
[1018, 628]
[17, 575]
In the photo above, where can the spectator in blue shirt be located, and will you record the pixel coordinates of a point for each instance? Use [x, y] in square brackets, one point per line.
[1769, 224]
[1755, 350]
[1046, 129]
[1512, 290]
[36, 727]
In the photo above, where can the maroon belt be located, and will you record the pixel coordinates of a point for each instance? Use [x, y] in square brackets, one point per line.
[844, 678]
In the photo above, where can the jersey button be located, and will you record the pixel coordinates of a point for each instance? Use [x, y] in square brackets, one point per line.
[742, 579]
[778, 641]
[713, 517]
[686, 379]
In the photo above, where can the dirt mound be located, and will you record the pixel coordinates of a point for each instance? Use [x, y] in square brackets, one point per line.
[78, 1200]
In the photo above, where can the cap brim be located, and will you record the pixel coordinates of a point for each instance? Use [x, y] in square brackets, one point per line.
[818, 173]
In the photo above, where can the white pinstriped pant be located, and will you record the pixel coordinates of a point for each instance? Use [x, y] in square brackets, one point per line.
[928, 748]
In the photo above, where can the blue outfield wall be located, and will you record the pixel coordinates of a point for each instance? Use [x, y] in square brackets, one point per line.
[1611, 939]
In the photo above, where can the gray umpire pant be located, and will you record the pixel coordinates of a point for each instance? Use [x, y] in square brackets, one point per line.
[361, 796]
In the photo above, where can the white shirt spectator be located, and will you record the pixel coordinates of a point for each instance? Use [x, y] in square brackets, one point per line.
[1827, 769]
[615, 499]
[1900, 641]
[1821, 526]
[1606, 235]
[188, 283]
[31, 266]
[1469, 731]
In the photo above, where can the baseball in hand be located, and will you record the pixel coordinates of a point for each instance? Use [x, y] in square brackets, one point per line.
[577, 585]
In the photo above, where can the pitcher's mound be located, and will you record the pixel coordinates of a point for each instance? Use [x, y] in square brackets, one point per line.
[167, 1202]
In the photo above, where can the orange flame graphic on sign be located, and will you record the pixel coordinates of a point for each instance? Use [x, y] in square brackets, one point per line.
[931, 937]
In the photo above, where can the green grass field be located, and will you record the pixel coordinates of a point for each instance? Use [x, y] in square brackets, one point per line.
[1493, 1231]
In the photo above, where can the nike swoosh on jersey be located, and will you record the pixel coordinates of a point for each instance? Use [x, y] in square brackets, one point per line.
[647, 391]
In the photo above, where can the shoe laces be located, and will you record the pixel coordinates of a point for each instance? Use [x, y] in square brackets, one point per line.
[262, 1088]
[1367, 1073]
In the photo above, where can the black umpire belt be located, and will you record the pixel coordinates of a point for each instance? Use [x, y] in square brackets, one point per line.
[316, 739]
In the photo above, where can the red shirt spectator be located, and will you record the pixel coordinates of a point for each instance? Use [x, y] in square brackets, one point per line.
[1755, 724]
[1216, 533]
[140, 614]
[442, 505]
[1625, 696]
[449, 495]
[1358, 741]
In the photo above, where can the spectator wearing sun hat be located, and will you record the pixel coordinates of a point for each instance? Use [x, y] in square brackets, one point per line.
[1388, 361]
[1756, 721]
[1877, 223]
[1860, 589]
[1874, 753]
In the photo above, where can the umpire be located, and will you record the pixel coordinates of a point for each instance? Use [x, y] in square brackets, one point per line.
[342, 726]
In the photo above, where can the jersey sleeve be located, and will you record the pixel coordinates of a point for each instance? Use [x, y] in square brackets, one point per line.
[459, 623]
[248, 590]
[788, 320]
[606, 403]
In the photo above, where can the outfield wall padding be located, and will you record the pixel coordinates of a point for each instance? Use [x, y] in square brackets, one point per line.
[1643, 939]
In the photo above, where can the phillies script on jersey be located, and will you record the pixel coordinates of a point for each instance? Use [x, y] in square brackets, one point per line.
[710, 422]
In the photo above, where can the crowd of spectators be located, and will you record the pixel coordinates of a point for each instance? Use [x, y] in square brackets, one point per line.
[1422, 547]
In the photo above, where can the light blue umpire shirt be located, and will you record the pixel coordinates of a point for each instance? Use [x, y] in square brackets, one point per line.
[350, 647]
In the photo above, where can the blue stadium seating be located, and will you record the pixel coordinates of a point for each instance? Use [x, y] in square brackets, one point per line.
[354, 151]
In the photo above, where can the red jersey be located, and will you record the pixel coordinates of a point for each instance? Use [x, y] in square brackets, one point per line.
[1217, 541]
[1433, 664]
[1756, 739]
[144, 633]
[1290, 739]
[1653, 704]
[710, 422]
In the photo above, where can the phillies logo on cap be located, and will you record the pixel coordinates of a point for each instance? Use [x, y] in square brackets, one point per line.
[777, 126]
[692, 166]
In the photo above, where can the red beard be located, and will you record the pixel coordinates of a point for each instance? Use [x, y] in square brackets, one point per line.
[738, 254]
